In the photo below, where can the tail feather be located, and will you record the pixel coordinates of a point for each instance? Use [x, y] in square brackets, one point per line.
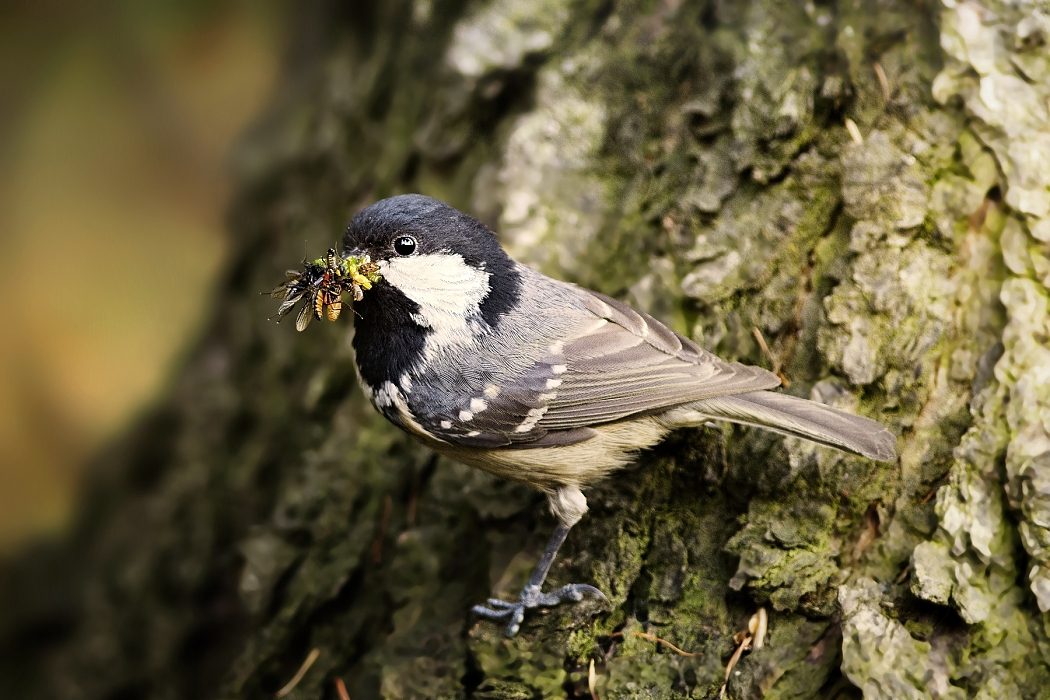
[810, 420]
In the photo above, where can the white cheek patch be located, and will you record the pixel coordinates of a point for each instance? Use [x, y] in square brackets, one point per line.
[448, 290]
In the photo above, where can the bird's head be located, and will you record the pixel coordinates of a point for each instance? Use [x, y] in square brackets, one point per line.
[438, 264]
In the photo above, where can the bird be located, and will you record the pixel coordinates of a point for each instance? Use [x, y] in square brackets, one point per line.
[495, 365]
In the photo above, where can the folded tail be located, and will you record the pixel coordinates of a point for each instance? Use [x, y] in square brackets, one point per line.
[798, 417]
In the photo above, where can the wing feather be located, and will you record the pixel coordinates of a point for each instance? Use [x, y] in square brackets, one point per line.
[619, 363]
[633, 365]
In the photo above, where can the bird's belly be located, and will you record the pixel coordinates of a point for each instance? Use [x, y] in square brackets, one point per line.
[613, 447]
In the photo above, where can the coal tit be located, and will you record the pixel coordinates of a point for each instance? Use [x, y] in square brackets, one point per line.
[502, 368]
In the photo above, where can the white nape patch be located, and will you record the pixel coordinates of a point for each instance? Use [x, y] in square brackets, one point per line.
[478, 405]
[466, 416]
[491, 391]
[448, 290]
[446, 424]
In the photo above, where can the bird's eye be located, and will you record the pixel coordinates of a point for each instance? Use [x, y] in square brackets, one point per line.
[404, 245]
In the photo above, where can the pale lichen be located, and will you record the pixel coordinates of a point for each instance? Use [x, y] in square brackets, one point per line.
[898, 303]
[747, 242]
[931, 565]
[502, 33]
[989, 44]
[879, 655]
[785, 551]
[552, 202]
[882, 183]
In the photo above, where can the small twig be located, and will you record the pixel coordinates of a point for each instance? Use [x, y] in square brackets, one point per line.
[672, 647]
[754, 637]
[765, 348]
[883, 83]
[310, 659]
[733, 660]
[870, 532]
[854, 131]
[384, 523]
[936, 487]
[340, 688]
[592, 678]
[976, 219]
[904, 574]
[769, 353]
[654, 638]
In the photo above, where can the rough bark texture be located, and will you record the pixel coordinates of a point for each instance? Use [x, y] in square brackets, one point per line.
[694, 159]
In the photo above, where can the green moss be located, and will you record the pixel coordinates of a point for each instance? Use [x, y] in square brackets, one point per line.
[785, 551]
[878, 654]
[513, 666]
[798, 658]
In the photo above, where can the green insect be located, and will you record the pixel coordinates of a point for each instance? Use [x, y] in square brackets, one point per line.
[362, 273]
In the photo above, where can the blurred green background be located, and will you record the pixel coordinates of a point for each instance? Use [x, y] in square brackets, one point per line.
[116, 118]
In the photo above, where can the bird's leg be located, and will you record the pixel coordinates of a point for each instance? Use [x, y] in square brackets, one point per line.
[531, 596]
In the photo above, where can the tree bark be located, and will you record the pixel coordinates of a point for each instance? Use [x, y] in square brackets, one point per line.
[853, 194]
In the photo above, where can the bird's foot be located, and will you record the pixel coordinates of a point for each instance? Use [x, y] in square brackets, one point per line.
[530, 598]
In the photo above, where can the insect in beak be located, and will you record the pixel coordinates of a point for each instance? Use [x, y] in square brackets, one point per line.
[321, 284]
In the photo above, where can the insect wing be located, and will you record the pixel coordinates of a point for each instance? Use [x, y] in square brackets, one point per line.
[289, 303]
[306, 314]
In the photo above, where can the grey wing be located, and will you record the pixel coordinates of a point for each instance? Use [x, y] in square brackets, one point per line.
[619, 363]
[628, 363]
[507, 415]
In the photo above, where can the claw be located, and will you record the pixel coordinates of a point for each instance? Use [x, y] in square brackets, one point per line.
[482, 611]
[532, 598]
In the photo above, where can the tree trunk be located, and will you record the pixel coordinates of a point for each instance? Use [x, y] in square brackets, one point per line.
[819, 188]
